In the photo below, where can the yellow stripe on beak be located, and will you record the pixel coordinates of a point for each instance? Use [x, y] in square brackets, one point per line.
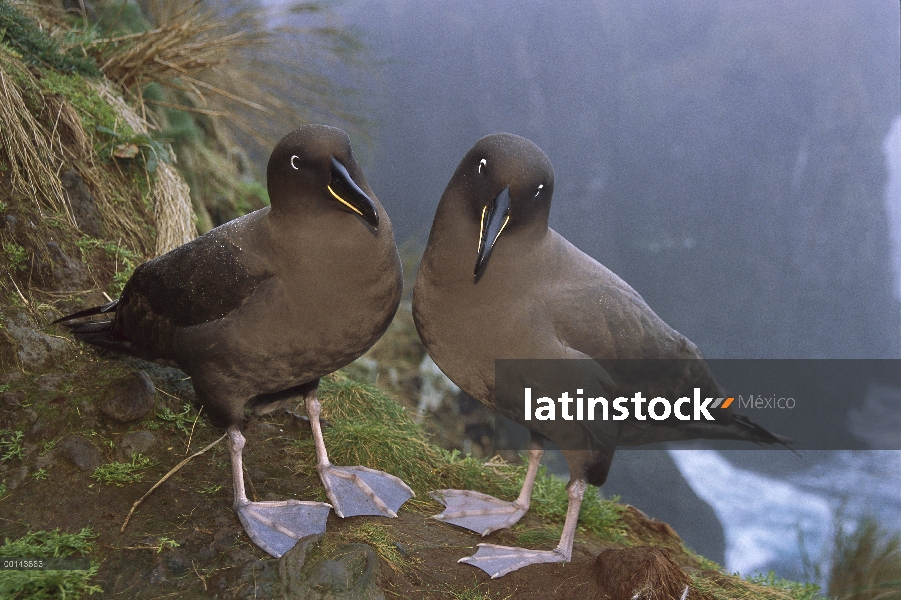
[482, 229]
[343, 201]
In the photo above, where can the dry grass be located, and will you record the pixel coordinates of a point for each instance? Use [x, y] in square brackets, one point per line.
[266, 82]
[34, 166]
[171, 196]
[172, 206]
[641, 573]
[188, 40]
[866, 564]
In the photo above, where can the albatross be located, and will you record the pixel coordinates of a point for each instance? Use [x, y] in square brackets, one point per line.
[259, 309]
[495, 282]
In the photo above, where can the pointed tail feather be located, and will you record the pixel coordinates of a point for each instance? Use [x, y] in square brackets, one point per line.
[88, 312]
[758, 434]
[103, 335]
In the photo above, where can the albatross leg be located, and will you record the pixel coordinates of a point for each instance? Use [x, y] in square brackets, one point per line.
[355, 491]
[273, 526]
[497, 561]
[485, 514]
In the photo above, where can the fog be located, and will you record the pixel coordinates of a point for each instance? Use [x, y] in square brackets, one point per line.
[724, 157]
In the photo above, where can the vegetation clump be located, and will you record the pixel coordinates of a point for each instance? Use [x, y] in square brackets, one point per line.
[47, 584]
[121, 473]
[37, 48]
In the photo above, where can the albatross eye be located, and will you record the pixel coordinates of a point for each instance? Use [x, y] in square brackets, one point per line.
[482, 163]
[293, 158]
[541, 185]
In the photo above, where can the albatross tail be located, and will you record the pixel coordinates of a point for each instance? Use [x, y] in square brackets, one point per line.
[89, 312]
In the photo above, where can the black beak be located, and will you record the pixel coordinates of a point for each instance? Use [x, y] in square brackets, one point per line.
[494, 219]
[348, 193]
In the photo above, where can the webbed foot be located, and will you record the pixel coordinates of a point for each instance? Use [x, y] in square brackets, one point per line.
[497, 561]
[276, 526]
[476, 511]
[357, 491]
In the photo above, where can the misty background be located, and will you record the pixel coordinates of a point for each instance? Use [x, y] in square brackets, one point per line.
[729, 159]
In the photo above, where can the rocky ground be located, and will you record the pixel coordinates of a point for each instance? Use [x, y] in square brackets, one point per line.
[71, 417]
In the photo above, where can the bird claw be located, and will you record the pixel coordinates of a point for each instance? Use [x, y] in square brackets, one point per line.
[497, 561]
[355, 491]
[476, 511]
[276, 526]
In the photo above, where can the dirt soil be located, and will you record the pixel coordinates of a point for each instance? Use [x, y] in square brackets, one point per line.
[184, 541]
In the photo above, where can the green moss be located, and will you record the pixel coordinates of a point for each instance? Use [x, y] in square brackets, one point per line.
[252, 195]
[369, 428]
[798, 591]
[39, 49]
[16, 256]
[93, 110]
[48, 584]
[120, 254]
[121, 473]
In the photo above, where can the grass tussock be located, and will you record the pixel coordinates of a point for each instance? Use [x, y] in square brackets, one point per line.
[641, 573]
[187, 40]
[27, 146]
[37, 48]
[53, 125]
[40, 585]
[760, 587]
[866, 563]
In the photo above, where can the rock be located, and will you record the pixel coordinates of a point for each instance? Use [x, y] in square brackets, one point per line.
[12, 399]
[44, 460]
[68, 274]
[263, 575]
[169, 379]
[11, 222]
[137, 442]
[84, 207]
[348, 575]
[52, 381]
[80, 452]
[129, 398]
[34, 350]
[14, 377]
[639, 573]
[17, 478]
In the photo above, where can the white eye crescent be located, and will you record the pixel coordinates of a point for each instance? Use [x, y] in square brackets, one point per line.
[292, 162]
[541, 185]
[482, 163]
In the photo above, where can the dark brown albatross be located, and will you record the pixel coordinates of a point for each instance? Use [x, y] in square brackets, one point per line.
[495, 282]
[258, 309]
